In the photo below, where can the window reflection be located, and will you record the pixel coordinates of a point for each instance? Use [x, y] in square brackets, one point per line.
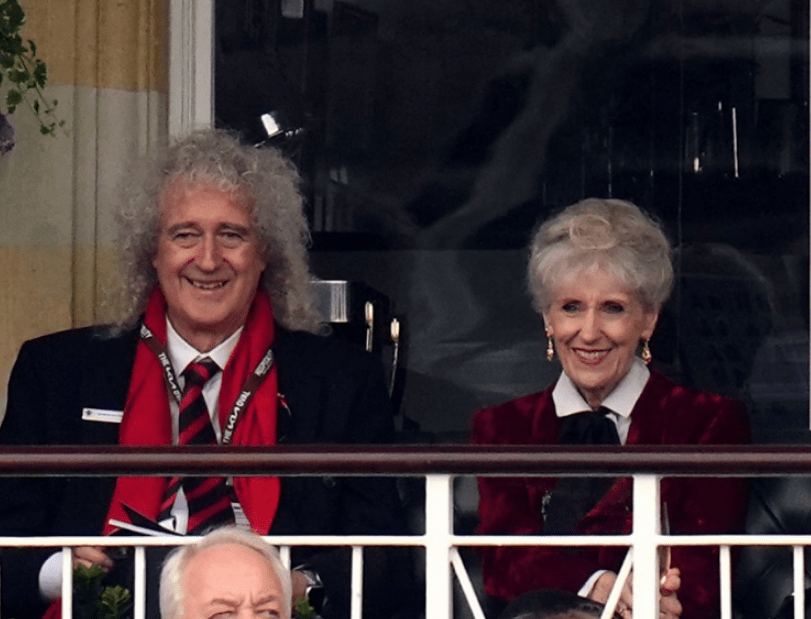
[432, 135]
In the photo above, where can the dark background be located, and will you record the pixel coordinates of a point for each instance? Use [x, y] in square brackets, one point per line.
[433, 134]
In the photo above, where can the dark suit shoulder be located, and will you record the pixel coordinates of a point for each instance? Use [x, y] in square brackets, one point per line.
[79, 343]
[56, 376]
[332, 354]
[336, 391]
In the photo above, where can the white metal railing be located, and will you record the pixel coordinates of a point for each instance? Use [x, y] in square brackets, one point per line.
[441, 544]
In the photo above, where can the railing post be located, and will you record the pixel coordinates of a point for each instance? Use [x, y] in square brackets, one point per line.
[646, 526]
[356, 605]
[67, 582]
[438, 531]
[798, 554]
[725, 579]
[139, 584]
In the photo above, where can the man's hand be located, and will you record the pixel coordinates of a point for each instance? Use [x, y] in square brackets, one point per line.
[90, 556]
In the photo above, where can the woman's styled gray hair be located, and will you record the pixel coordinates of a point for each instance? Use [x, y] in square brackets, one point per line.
[612, 234]
[261, 178]
[171, 580]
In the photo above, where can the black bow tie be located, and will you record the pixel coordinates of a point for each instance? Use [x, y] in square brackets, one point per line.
[573, 497]
[589, 428]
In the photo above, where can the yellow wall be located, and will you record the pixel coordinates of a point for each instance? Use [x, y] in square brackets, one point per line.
[118, 44]
[108, 69]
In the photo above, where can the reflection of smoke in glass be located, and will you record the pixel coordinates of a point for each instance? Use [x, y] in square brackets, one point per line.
[600, 21]
[725, 311]
[518, 155]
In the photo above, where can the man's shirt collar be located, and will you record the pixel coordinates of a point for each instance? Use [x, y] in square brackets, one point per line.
[181, 353]
[621, 400]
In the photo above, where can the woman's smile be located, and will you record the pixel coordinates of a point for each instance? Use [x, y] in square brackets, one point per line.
[591, 357]
[597, 322]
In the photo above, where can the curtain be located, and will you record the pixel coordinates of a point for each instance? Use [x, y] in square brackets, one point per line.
[108, 69]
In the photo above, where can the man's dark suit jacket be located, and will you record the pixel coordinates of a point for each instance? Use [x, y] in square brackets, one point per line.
[336, 394]
[664, 414]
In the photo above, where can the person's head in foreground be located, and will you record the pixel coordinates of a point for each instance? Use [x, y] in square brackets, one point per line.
[208, 223]
[599, 273]
[552, 604]
[228, 571]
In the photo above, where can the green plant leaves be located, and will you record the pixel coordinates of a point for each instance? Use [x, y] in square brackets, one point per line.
[20, 67]
[17, 76]
[13, 99]
[115, 602]
[93, 600]
[40, 73]
[304, 610]
[12, 16]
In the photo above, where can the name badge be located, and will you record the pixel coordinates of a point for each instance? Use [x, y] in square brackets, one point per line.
[240, 519]
[102, 415]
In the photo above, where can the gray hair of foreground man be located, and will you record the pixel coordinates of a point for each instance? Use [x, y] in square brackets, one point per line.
[171, 583]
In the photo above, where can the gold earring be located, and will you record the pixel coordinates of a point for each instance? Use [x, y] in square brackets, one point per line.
[646, 356]
[550, 348]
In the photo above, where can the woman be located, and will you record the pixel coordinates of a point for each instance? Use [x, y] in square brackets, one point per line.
[599, 273]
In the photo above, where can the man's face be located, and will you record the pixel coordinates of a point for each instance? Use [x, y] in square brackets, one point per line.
[208, 263]
[231, 581]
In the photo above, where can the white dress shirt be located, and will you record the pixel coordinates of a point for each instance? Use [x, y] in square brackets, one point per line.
[181, 354]
[620, 402]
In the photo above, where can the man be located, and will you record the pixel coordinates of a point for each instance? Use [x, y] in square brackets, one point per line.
[216, 303]
[229, 571]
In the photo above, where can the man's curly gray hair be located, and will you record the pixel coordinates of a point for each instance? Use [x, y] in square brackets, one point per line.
[612, 234]
[216, 158]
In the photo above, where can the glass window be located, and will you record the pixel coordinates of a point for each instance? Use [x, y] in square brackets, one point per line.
[432, 135]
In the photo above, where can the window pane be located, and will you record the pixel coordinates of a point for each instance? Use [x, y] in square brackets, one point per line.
[433, 135]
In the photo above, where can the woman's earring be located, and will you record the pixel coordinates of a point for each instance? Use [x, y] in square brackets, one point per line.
[646, 356]
[550, 346]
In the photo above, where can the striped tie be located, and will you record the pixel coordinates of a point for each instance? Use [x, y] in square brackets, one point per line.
[208, 498]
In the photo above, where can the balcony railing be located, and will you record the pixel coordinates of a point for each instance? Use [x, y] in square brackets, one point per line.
[440, 465]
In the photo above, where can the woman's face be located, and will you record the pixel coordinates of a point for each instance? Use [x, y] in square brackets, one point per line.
[597, 323]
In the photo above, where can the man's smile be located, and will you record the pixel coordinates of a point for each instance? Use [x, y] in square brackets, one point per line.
[206, 285]
[207, 262]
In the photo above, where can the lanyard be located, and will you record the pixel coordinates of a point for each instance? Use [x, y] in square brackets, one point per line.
[248, 390]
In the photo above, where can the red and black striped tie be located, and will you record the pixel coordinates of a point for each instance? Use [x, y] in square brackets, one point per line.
[208, 498]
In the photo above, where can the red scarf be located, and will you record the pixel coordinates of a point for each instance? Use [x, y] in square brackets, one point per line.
[147, 419]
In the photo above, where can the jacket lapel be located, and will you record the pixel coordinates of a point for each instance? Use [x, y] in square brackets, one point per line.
[647, 417]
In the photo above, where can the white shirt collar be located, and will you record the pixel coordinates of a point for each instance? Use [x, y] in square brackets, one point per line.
[621, 400]
[181, 353]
